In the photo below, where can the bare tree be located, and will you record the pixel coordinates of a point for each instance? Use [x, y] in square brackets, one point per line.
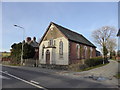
[111, 45]
[101, 36]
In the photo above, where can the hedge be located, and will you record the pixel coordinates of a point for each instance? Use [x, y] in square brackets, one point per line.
[95, 61]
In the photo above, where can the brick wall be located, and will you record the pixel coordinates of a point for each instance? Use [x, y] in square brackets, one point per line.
[94, 52]
[73, 52]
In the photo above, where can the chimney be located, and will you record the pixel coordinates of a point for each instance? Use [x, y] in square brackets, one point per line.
[28, 39]
[34, 38]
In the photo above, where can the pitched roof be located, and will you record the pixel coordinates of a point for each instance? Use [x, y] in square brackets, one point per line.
[73, 36]
[118, 33]
[34, 44]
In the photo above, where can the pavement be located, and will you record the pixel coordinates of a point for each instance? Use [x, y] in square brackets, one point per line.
[108, 71]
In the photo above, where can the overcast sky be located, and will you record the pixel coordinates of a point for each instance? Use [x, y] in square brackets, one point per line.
[82, 17]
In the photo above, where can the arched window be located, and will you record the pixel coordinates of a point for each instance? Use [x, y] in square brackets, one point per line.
[78, 51]
[91, 51]
[85, 52]
[61, 49]
[43, 50]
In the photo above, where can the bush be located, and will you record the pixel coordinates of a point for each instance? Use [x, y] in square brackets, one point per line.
[8, 58]
[118, 53]
[95, 61]
[83, 66]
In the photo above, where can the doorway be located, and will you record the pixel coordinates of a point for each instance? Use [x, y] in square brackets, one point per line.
[47, 57]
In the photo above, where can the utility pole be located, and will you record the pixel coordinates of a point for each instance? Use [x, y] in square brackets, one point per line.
[22, 43]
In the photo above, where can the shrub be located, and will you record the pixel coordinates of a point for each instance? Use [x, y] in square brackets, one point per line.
[118, 53]
[8, 58]
[95, 61]
[83, 66]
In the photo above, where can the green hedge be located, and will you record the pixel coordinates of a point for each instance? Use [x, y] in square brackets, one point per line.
[95, 61]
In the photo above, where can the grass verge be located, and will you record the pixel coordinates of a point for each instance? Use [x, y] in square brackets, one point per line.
[118, 75]
[89, 68]
[14, 64]
[10, 64]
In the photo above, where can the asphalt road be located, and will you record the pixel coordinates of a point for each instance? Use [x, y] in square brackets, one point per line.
[20, 78]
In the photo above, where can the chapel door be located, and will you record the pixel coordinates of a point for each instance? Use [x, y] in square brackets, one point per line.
[47, 57]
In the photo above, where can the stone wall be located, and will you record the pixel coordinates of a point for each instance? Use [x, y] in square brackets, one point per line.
[30, 62]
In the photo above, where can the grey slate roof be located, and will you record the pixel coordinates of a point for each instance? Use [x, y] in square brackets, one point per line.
[73, 36]
[118, 33]
[34, 44]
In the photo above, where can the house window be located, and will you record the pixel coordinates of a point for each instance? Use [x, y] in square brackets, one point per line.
[51, 42]
[91, 51]
[43, 51]
[78, 51]
[61, 49]
[85, 51]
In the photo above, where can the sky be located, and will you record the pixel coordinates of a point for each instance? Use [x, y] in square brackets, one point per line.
[81, 17]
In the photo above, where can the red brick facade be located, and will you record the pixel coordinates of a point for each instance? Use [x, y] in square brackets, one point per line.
[73, 57]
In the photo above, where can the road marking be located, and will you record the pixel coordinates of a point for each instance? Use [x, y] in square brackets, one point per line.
[3, 77]
[34, 82]
[24, 80]
[6, 71]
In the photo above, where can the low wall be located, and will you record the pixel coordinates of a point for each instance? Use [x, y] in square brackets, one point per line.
[31, 62]
[73, 67]
[76, 66]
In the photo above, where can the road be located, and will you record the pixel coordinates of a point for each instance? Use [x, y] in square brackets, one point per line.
[21, 78]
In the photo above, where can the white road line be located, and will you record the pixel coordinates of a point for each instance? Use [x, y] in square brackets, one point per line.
[6, 71]
[3, 77]
[34, 82]
[24, 80]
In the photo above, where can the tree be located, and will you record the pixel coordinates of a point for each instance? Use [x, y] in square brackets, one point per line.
[101, 37]
[114, 53]
[111, 45]
[118, 53]
[28, 52]
[16, 52]
[105, 52]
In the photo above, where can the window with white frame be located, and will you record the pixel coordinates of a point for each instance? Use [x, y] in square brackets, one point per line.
[61, 49]
[78, 50]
